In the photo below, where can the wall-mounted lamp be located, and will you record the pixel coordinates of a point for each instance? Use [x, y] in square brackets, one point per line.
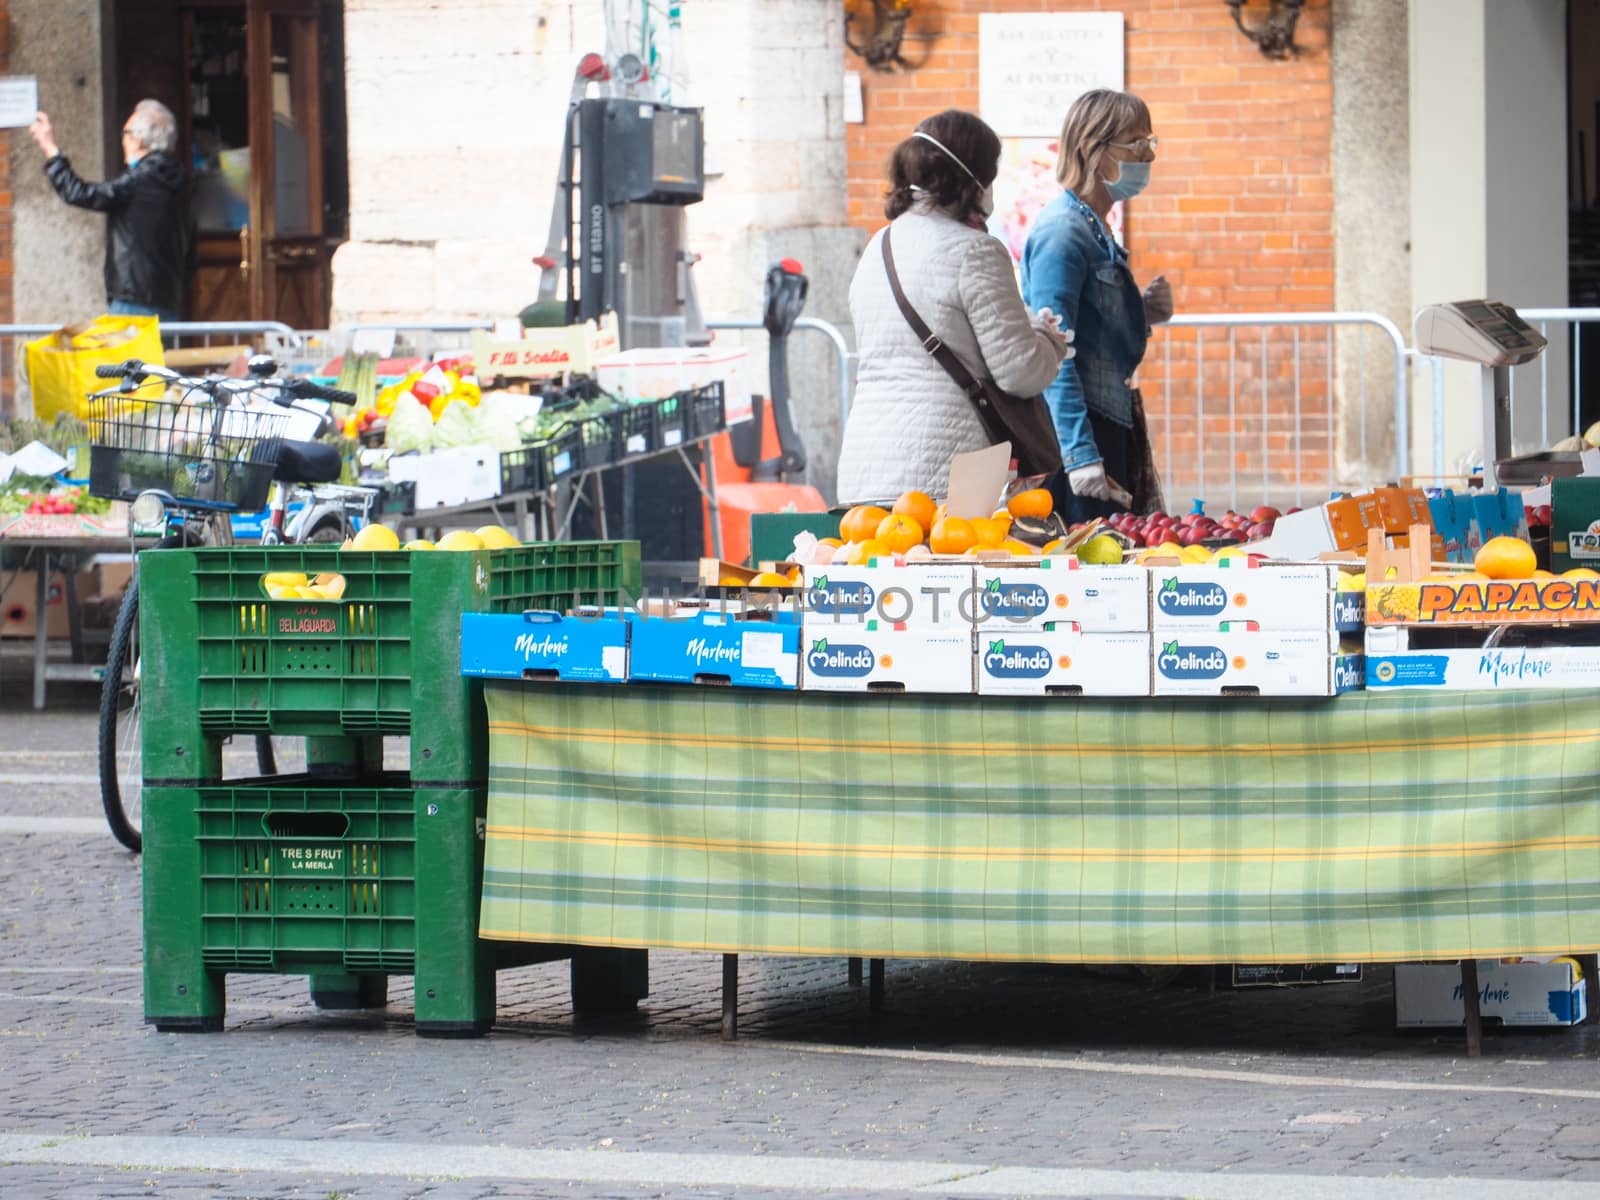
[1276, 37]
[882, 26]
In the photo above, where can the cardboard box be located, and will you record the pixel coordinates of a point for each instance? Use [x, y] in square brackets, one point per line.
[1498, 602]
[543, 353]
[1096, 599]
[657, 372]
[716, 646]
[931, 596]
[1247, 975]
[1401, 508]
[1062, 660]
[1259, 662]
[589, 647]
[878, 658]
[19, 605]
[447, 478]
[1286, 598]
[1575, 523]
[109, 576]
[1393, 664]
[1530, 992]
[1451, 514]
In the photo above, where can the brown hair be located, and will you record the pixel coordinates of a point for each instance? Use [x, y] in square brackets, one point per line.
[1095, 118]
[918, 163]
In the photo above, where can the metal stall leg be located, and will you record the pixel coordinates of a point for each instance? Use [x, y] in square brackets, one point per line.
[41, 629]
[1470, 1007]
[69, 577]
[875, 987]
[853, 972]
[730, 997]
[1591, 987]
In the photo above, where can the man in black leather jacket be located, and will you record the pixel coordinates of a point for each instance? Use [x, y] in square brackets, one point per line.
[149, 235]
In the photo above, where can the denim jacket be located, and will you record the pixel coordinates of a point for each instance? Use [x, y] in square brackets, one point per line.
[1071, 266]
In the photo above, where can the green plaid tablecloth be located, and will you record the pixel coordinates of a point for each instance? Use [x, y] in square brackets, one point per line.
[1376, 827]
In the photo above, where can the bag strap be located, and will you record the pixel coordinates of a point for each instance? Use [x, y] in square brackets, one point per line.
[931, 342]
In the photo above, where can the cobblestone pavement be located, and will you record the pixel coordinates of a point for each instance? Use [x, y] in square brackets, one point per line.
[1058, 1071]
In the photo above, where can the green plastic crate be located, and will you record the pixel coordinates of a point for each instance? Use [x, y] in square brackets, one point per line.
[220, 657]
[298, 875]
[348, 883]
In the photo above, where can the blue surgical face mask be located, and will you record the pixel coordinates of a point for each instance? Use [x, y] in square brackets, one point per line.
[133, 162]
[1134, 179]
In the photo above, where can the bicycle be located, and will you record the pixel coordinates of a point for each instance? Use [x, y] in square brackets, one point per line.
[188, 467]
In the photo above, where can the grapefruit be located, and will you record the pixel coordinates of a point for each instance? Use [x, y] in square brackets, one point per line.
[1506, 558]
[496, 537]
[375, 537]
[460, 539]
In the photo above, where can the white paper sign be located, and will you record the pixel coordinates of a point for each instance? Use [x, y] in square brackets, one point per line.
[19, 101]
[1032, 66]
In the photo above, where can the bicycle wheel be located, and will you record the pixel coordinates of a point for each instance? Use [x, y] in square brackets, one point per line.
[121, 763]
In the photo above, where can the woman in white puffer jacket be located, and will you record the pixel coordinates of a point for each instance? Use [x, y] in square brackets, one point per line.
[909, 418]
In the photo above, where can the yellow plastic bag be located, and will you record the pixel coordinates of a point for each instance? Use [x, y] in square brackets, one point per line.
[61, 365]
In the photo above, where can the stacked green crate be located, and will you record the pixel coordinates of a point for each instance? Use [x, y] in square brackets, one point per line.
[348, 881]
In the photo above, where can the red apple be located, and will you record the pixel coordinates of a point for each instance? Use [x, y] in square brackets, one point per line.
[1156, 536]
[1293, 508]
[1264, 512]
[1259, 530]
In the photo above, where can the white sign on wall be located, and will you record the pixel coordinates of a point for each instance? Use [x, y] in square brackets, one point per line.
[1032, 66]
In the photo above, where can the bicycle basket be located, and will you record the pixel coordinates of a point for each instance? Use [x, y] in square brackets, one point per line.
[204, 455]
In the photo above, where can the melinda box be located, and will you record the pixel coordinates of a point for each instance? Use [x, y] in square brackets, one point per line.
[875, 658]
[1104, 599]
[1061, 660]
[934, 596]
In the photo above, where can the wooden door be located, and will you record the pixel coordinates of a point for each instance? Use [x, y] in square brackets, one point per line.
[263, 252]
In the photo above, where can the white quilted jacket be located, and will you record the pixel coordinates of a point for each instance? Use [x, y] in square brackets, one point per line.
[909, 418]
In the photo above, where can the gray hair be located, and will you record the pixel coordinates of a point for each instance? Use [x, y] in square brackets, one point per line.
[154, 126]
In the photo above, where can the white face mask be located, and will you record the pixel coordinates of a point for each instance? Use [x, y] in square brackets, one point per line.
[986, 198]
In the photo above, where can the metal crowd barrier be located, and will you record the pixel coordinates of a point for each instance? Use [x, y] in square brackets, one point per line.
[1257, 417]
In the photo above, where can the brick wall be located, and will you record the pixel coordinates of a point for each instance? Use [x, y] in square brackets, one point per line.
[1239, 217]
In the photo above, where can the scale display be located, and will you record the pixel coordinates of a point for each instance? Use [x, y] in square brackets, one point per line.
[1482, 331]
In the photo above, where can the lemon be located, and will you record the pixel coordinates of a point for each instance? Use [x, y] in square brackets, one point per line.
[460, 539]
[496, 537]
[1195, 555]
[1102, 549]
[330, 586]
[419, 544]
[283, 579]
[375, 537]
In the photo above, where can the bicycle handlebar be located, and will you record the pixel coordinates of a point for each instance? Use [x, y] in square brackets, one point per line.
[305, 389]
[119, 370]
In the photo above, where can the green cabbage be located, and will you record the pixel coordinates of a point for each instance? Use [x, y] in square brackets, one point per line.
[410, 426]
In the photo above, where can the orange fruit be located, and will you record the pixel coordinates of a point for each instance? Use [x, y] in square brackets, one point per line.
[1581, 573]
[1506, 558]
[988, 531]
[952, 535]
[899, 532]
[1021, 549]
[861, 553]
[834, 542]
[1003, 517]
[1035, 502]
[919, 506]
[1052, 546]
[861, 522]
[771, 579]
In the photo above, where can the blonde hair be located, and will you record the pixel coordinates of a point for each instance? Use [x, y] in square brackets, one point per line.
[1095, 119]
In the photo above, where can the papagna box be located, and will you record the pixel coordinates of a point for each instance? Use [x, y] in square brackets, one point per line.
[932, 596]
[1291, 597]
[1253, 662]
[1103, 599]
[1528, 992]
[877, 657]
[718, 645]
[1060, 659]
[1497, 602]
[586, 647]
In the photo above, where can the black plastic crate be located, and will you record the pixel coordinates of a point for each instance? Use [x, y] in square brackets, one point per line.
[639, 429]
[706, 412]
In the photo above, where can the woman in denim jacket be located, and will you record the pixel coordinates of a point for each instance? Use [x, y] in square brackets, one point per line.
[1073, 267]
